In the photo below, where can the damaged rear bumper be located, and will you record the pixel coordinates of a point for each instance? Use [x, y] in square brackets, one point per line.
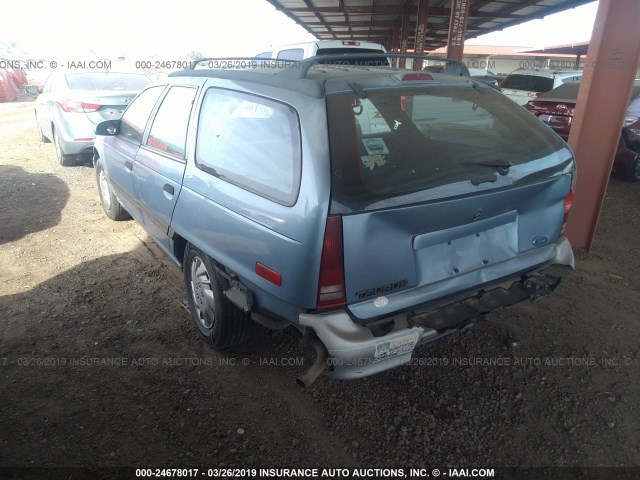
[357, 351]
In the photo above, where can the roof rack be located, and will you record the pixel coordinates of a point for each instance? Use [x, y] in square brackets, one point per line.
[336, 59]
[300, 68]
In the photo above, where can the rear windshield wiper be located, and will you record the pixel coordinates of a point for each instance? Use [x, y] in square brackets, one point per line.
[501, 167]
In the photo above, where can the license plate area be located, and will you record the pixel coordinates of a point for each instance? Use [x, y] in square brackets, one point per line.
[449, 253]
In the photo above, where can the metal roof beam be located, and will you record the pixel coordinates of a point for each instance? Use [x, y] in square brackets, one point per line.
[393, 10]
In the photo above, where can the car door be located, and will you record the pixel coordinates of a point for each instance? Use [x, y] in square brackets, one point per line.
[160, 162]
[120, 150]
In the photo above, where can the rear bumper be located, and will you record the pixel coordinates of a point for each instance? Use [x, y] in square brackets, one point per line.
[354, 350]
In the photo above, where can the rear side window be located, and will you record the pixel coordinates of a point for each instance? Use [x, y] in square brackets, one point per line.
[252, 142]
[400, 141]
[291, 54]
[530, 83]
[135, 117]
[169, 130]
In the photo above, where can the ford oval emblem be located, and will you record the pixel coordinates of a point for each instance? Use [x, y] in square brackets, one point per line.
[540, 240]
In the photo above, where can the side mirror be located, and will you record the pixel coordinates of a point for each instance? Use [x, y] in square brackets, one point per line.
[33, 90]
[108, 128]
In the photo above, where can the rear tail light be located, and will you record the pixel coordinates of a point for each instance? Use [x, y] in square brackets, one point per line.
[629, 119]
[568, 203]
[79, 107]
[331, 291]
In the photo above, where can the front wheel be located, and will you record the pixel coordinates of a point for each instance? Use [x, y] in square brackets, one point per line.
[110, 203]
[220, 323]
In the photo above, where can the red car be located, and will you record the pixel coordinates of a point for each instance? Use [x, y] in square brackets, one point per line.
[556, 109]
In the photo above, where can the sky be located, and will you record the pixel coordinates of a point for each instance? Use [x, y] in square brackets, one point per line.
[146, 29]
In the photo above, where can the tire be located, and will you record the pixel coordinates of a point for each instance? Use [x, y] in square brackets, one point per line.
[220, 323]
[633, 174]
[110, 203]
[43, 139]
[63, 159]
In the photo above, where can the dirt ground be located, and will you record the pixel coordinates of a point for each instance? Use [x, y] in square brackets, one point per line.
[100, 365]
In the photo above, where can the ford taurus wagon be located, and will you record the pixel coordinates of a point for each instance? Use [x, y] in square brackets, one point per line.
[372, 208]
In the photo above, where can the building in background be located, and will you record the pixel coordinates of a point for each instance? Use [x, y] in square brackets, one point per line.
[503, 60]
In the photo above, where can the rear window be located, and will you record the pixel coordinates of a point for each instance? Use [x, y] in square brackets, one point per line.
[530, 83]
[567, 91]
[251, 142]
[291, 54]
[399, 141]
[107, 81]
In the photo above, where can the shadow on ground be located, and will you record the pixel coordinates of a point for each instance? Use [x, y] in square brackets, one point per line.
[44, 194]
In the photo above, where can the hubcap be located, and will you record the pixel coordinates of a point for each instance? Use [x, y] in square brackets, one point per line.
[104, 190]
[202, 293]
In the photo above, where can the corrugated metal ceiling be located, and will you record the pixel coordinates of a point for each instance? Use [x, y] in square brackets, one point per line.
[376, 20]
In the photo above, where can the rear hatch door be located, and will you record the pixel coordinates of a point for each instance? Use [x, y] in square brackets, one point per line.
[441, 189]
[522, 87]
[103, 95]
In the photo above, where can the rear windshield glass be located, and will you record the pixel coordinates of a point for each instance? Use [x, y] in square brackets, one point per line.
[354, 60]
[400, 141]
[107, 81]
[569, 91]
[530, 83]
[566, 91]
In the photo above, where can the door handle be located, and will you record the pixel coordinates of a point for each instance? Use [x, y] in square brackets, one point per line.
[168, 188]
[128, 165]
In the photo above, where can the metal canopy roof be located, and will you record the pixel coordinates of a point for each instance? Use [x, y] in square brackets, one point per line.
[376, 20]
[569, 49]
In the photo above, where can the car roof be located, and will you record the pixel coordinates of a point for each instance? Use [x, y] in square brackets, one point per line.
[331, 44]
[546, 72]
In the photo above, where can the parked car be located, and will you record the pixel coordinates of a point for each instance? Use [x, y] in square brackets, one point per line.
[285, 206]
[300, 51]
[70, 105]
[523, 85]
[8, 88]
[486, 76]
[446, 66]
[556, 109]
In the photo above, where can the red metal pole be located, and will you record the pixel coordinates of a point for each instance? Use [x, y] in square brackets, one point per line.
[421, 32]
[610, 68]
[457, 28]
[405, 38]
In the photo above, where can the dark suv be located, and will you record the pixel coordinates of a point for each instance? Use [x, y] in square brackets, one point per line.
[372, 208]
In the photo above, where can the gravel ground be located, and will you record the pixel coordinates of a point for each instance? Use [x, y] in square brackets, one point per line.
[550, 384]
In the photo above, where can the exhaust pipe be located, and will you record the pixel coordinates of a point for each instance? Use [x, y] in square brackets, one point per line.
[311, 343]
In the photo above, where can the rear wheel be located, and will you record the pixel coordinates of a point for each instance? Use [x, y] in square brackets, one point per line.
[63, 159]
[634, 171]
[110, 203]
[43, 139]
[220, 323]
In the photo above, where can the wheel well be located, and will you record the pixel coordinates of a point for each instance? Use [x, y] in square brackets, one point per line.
[179, 246]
